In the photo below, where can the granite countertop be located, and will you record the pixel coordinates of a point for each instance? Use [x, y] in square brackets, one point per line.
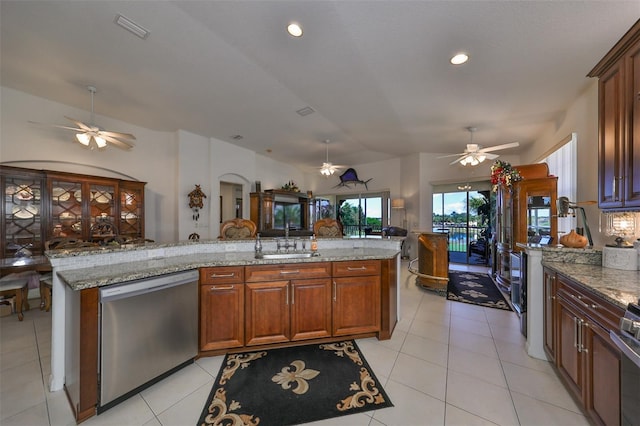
[79, 279]
[618, 286]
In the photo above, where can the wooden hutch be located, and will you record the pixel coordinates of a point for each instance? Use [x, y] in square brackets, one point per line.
[40, 204]
[271, 209]
[525, 212]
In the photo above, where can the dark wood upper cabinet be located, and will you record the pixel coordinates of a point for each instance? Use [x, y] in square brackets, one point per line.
[618, 75]
[39, 205]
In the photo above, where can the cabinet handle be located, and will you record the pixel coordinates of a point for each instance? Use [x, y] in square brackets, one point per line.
[293, 294]
[214, 275]
[360, 268]
[335, 295]
[613, 189]
[287, 296]
[582, 348]
[289, 272]
[594, 306]
[575, 333]
[223, 287]
[579, 300]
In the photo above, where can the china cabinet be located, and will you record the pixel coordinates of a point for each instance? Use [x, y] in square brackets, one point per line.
[40, 204]
[618, 75]
[525, 212]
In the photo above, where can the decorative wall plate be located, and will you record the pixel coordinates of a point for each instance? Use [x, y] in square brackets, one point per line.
[78, 195]
[77, 226]
[24, 193]
[60, 193]
[101, 197]
[26, 212]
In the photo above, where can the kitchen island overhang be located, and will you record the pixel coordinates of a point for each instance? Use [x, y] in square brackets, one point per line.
[79, 270]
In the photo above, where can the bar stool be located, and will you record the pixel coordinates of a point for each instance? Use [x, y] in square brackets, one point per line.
[46, 284]
[18, 286]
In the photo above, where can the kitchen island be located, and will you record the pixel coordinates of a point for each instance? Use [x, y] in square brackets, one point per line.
[79, 274]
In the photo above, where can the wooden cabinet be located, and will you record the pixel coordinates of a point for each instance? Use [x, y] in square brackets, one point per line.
[585, 357]
[272, 209]
[525, 210]
[40, 205]
[221, 307]
[356, 297]
[287, 302]
[618, 75]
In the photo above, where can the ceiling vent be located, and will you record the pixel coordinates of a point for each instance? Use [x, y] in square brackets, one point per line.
[305, 111]
[131, 26]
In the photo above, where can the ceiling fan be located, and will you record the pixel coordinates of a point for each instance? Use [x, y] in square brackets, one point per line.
[328, 168]
[475, 154]
[90, 135]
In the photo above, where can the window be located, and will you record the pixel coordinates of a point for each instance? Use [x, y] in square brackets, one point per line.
[363, 214]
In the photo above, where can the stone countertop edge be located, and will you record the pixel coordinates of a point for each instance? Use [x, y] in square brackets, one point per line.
[618, 286]
[84, 278]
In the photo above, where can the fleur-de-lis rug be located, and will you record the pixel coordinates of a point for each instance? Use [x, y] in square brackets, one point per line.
[288, 386]
[475, 288]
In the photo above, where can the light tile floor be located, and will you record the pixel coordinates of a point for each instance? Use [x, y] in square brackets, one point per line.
[448, 363]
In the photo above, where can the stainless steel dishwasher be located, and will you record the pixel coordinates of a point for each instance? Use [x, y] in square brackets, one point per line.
[148, 329]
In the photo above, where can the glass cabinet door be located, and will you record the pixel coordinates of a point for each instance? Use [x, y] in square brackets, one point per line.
[102, 223]
[538, 217]
[22, 216]
[131, 211]
[66, 209]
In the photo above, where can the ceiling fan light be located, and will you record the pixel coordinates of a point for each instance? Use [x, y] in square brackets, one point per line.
[327, 169]
[83, 138]
[481, 158]
[100, 142]
[474, 161]
[294, 29]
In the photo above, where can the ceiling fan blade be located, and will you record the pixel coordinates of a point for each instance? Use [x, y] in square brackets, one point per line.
[503, 146]
[80, 124]
[57, 126]
[453, 155]
[490, 156]
[117, 135]
[457, 160]
[120, 144]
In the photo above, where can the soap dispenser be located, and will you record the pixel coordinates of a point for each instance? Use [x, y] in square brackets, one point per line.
[258, 247]
[314, 244]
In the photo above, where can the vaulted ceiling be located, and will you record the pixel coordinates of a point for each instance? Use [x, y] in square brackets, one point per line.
[376, 73]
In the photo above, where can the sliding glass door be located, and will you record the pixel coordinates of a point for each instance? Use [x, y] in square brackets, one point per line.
[465, 217]
[363, 214]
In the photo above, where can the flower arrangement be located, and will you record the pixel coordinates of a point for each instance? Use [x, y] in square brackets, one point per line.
[502, 173]
[291, 186]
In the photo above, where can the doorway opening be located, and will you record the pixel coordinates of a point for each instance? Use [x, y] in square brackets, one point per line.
[465, 216]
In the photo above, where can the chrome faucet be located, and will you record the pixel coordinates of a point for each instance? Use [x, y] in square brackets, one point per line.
[286, 230]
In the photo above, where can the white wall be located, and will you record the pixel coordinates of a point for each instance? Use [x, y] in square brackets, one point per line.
[581, 117]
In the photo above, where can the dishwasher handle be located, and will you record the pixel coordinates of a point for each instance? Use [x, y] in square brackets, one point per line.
[146, 285]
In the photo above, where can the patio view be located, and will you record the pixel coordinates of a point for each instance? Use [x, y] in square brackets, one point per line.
[466, 217]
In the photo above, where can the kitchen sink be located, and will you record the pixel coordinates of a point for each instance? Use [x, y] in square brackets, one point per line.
[285, 255]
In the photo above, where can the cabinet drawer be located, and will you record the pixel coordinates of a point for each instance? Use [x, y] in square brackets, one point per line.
[600, 310]
[222, 275]
[287, 271]
[356, 268]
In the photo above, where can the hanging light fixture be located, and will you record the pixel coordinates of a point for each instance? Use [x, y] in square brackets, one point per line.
[327, 168]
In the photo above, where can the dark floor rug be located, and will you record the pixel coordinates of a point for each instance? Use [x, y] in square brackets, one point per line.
[295, 385]
[475, 288]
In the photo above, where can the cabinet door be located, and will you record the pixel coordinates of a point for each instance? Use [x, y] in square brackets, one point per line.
[267, 314]
[602, 375]
[632, 180]
[356, 305]
[22, 213]
[310, 309]
[67, 209]
[131, 218]
[102, 211]
[550, 315]
[611, 116]
[221, 316]
[569, 361]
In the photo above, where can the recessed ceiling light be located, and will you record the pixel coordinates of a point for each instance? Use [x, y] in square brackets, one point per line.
[459, 58]
[294, 29]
